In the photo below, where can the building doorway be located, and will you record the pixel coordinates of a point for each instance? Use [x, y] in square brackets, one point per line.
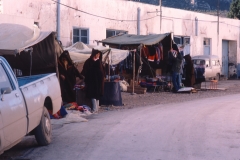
[225, 57]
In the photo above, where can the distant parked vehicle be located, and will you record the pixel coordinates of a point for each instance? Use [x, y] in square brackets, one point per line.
[207, 67]
[24, 105]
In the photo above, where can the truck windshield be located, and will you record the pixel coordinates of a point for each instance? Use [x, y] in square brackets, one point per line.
[4, 81]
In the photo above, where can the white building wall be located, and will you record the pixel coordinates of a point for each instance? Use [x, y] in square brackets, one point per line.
[1, 8]
[42, 11]
[180, 22]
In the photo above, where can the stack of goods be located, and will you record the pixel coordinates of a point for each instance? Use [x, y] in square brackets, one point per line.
[60, 114]
[74, 106]
[150, 83]
[137, 89]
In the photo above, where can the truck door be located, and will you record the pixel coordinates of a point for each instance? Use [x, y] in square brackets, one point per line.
[12, 108]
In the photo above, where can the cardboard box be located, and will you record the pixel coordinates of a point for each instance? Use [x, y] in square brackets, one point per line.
[137, 89]
[131, 83]
[158, 72]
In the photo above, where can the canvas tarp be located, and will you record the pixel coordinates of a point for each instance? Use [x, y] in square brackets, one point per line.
[130, 39]
[15, 38]
[80, 52]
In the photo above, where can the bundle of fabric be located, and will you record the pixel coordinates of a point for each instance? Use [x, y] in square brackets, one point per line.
[60, 114]
[74, 106]
[123, 85]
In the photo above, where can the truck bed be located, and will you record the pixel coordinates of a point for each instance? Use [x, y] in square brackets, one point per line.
[22, 81]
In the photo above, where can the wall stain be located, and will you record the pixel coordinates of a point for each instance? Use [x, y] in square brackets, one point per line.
[203, 30]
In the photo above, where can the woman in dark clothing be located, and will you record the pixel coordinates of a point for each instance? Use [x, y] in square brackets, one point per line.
[67, 74]
[189, 72]
[94, 78]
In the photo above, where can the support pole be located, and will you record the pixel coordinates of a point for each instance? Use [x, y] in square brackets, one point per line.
[56, 65]
[218, 24]
[133, 73]
[108, 69]
[218, 17]
[160, 5]
[138, 20]
[140, 67]
[58, 19]
[31, 51]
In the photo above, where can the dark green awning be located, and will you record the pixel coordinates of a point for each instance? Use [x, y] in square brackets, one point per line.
[130, 39]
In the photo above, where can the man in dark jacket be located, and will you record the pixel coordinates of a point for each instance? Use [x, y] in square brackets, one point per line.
[177, 59]
[94, 78]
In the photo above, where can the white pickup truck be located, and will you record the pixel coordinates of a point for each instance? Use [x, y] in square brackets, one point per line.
[24, 105]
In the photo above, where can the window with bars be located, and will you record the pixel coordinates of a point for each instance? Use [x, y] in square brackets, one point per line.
[110, 32]
[81, 35]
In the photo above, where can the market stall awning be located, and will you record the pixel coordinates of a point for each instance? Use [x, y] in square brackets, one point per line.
[15, 38]
[130, 39]
[80, 47]
[80, 52]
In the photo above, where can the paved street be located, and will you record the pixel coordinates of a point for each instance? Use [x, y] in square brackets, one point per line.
[204, 129]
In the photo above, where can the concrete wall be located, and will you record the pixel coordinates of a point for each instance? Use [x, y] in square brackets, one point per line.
[16, 20]
[1, 8]
[180, 22]
[233, 52]
[42, 11]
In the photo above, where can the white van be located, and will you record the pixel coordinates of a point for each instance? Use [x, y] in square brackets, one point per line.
[207, 67]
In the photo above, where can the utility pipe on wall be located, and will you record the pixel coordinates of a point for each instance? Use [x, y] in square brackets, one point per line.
[138, 20]
[160, 5]
[58, 19]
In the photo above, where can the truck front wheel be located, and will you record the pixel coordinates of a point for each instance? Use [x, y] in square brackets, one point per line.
[43, 132]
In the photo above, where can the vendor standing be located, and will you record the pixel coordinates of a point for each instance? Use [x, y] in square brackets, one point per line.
[93, 71]
[176, 59]
[67, 74]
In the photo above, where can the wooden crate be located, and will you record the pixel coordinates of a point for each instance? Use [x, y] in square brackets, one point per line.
[131, 83]
[137, 89]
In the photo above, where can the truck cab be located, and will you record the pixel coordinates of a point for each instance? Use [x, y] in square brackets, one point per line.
[12, 110]
[24, 105]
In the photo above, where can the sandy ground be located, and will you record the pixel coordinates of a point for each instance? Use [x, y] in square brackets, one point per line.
[203, 129]
[231, 87]
[226, 87]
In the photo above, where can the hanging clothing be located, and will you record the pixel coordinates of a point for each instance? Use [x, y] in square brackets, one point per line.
[153, 55]
[159, 54]
[160, 46]
[145, 52]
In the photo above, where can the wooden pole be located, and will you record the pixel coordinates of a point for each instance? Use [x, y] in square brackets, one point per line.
[160, 5]
[139, 68]
[56, 65]
[108, 69]
[218, 17]
[133, 72]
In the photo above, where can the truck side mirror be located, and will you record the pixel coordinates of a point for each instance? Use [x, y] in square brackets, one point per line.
[5, 90]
